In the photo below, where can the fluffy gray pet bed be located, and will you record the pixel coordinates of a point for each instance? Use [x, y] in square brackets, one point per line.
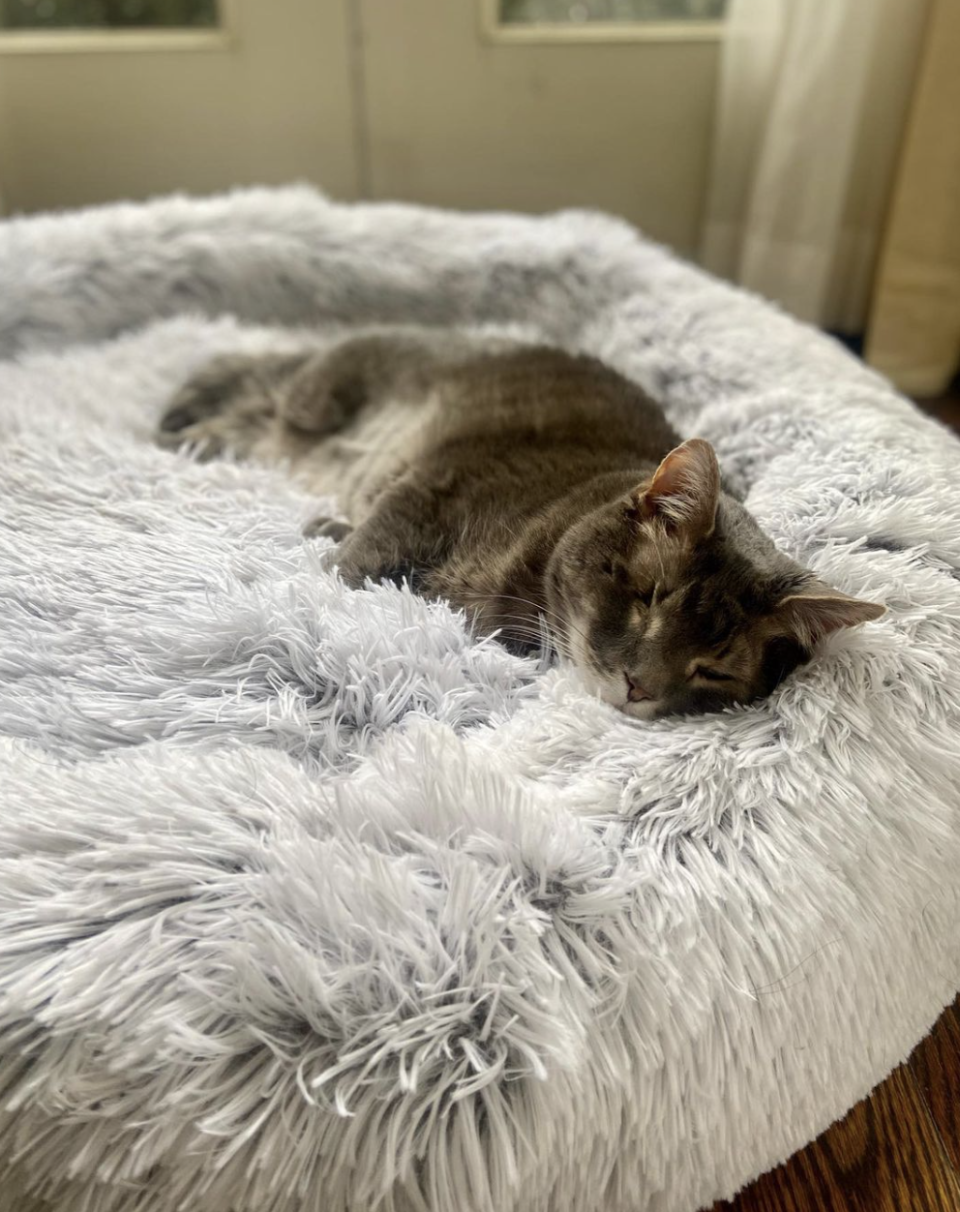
[310, 902]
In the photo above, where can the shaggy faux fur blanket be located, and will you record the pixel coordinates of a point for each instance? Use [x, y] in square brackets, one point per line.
[312, 902]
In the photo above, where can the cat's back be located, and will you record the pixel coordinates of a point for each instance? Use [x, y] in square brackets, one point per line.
[539, 391]
[514, 422]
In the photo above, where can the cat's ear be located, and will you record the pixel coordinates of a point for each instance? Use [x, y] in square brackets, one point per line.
[816, 610]
[684, 491]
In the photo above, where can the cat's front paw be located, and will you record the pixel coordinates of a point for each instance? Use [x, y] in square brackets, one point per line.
[352, 575]
[327, 528]
[352, 560]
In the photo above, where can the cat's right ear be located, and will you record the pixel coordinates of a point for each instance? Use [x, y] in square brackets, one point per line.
[684, 492]
[817, 610]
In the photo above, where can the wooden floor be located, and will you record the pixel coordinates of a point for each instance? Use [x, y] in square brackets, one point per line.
[945, 408]
[898, 1150]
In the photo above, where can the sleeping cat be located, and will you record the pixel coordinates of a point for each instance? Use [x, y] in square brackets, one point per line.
[536, 490]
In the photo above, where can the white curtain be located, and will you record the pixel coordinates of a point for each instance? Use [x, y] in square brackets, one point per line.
[813, 97]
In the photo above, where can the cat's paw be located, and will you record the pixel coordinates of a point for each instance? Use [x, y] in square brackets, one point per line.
[353, 575]
[205, 395]
[244, 387]
[327, 528]
[205, 439]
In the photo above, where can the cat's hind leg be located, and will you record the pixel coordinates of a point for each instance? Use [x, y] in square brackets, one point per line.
[331, 388]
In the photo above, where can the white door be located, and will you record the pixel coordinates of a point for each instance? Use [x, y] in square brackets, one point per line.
[91, 114]
[466, 107]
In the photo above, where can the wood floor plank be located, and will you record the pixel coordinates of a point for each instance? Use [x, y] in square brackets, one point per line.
[945, 409]
[885, 1156]
[936, 1066]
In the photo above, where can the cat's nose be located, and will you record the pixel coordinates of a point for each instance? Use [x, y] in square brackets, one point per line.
[635, 692]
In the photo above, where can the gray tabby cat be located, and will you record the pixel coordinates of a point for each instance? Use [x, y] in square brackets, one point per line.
[533, 488]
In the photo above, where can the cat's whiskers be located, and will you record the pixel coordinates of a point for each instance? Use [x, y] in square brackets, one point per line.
[560, 624]
[548, 640]
[539, 627]
[559, 630]
[516, 626]
[536, 627]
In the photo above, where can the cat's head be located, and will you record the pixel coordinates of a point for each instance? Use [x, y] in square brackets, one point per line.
[673, 600]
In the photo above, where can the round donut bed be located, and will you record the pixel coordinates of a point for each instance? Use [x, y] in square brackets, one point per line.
[312, 902]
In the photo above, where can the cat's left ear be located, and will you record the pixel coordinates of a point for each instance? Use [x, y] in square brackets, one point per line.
[684, 491]
[816, 611]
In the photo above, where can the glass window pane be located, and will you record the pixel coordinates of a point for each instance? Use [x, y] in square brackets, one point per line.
[574, 12]
[107, 14]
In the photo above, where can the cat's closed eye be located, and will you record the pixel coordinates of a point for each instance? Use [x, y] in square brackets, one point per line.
[712, 675]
